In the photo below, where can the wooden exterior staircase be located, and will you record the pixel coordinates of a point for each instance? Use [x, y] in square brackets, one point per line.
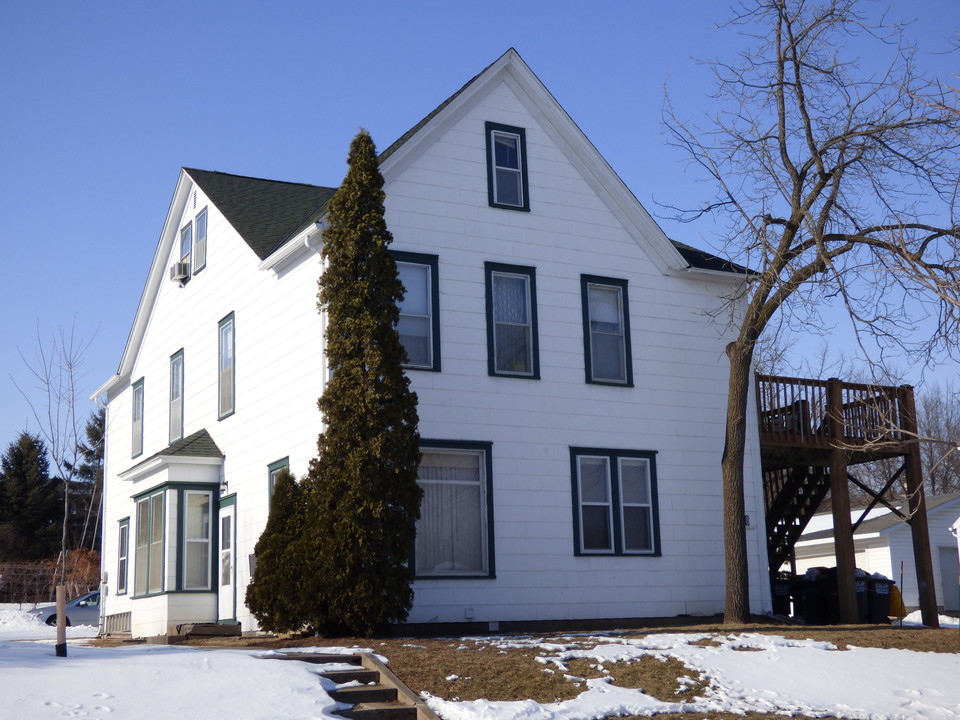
[380, 694]
[792, 496]
[811, 432]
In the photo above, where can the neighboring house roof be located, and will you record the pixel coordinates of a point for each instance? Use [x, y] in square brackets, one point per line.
[884, 522]
[264, 212]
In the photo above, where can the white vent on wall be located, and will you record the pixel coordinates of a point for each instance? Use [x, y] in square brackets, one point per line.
[179, 271]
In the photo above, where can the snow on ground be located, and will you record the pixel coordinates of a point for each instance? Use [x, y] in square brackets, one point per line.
[746, 672]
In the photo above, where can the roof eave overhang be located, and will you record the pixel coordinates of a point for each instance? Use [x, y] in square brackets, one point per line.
[511, 68]
[151, 288]
[306, 241]
[148, 467]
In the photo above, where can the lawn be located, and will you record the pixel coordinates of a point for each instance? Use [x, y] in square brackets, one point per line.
[662, 661]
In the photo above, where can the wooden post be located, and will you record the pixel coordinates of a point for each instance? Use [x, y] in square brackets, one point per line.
[918, 512]
[840, 497]
[61, 648]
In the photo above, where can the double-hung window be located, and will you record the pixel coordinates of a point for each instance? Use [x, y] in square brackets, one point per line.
[606, 331]
[507, 184]
[196, 539]
[186, 245]
[615, 502]
[454, 532]
[226, 376]
[137, 402]
[200, 245]
[419, 323]
[512, 344]
[176, 396]
[148, 574]
[123, 552]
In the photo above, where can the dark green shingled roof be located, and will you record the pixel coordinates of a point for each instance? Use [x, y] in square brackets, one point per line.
[266, 213]
[200, 444]
[888, 520]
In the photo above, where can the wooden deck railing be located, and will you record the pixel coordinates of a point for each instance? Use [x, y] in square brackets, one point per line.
[797, 412]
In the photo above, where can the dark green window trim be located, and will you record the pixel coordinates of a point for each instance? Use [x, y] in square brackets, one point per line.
[586, 281]
[432, 262]
[494, 197]
[137, 403]
[212, 493]
[123, 555]
[615, 501]
[486, 451]
[226, 375]
[147, 497]
[177, 384]
[181, 488]
[273, 469]
[492, 271]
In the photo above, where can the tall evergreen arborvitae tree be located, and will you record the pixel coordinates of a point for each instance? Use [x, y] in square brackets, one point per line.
[362, 494]
[30, 502]
[273, 595]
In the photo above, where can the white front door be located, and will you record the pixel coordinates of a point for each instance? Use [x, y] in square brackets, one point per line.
[227, 576]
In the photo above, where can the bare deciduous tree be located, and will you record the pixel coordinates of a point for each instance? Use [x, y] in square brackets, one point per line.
[835, 182]
[56, 370]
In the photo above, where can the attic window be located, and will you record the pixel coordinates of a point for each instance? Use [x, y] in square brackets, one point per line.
[507, 185]
[186, 246]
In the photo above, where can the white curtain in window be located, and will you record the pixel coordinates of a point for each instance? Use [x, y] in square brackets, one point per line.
[451, 537]
[512, 328]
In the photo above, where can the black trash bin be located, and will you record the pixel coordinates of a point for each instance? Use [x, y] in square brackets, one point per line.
[878, 600]
[781, 596]
[861, 586]
[816, 600]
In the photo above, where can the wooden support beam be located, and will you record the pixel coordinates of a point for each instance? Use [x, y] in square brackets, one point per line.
[840, 499]
[918, 513]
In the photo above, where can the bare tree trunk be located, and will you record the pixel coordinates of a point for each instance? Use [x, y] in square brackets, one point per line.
[737, 604]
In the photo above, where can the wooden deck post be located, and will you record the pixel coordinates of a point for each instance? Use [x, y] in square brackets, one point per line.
[918, 511]
[840, 500]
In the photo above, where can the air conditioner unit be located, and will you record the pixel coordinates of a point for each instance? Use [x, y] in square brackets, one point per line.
[179, 271]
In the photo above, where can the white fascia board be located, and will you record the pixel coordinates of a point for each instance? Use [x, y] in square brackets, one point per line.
[151, 289]
[307, 240]
[161, 461]
[719, 275]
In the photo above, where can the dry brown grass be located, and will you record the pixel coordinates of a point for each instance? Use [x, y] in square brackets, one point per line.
[486, 671]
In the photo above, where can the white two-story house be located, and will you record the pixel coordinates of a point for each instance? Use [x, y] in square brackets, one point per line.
[568, 359]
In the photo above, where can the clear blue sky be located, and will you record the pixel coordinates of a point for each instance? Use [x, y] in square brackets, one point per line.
[101, 103]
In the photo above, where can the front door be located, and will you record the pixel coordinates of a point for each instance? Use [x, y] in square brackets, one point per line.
[227, 576]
